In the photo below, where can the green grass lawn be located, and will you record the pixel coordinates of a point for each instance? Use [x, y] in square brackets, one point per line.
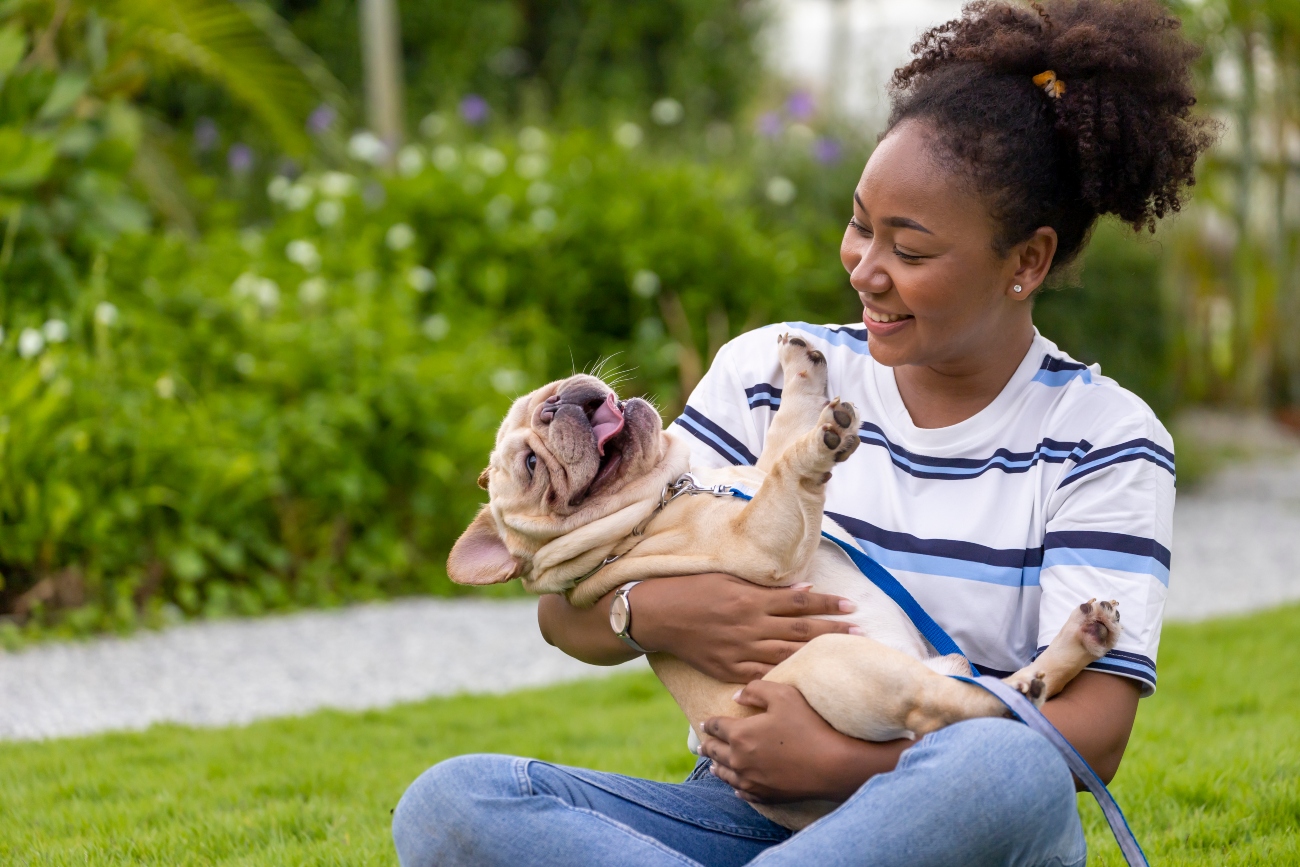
[1212, 775]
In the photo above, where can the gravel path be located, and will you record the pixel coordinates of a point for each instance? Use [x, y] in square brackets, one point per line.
[1237, 548]
[232, 672]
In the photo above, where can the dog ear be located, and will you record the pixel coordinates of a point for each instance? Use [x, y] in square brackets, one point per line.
[483, 479]
[479, 556]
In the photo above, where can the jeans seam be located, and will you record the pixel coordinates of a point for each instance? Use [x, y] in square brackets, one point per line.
[733, 830]
[524, 781]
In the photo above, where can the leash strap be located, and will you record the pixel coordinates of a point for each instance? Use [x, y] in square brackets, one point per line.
[1031, 716]
[941, 641]
[1020, 706]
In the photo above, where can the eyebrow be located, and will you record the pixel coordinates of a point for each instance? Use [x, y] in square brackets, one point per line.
[895, 222]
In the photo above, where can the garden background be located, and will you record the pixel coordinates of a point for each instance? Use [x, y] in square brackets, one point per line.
[269, 279]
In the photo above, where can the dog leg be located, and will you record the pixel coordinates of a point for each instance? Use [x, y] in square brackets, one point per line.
[783, 522]
[1091, 631]
[803, 395]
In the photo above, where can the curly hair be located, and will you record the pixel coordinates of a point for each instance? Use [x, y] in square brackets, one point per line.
[1121, 139]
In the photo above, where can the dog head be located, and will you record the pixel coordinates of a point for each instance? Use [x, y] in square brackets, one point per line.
[566, 455]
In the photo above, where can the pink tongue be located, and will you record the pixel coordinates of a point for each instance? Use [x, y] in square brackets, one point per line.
[606, 422]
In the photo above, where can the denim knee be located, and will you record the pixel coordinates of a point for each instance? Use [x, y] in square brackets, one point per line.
[438, 809]
[1014, 770]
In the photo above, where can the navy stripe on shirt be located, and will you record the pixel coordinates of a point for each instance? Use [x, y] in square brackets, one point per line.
[1133, 450]
[709, 433]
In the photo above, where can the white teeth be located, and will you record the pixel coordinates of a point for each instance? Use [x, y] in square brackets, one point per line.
[884, 317]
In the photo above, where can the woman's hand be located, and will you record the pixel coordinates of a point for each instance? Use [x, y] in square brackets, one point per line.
[788, 752]
[730, 629]
[727, 628]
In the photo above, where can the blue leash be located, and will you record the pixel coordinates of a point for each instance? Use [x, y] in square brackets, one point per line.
[1021, 707]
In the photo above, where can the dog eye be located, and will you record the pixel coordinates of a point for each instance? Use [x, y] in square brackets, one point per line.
[531, 463]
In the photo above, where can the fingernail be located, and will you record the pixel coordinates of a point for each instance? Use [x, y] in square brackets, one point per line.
[736, 697]
[736, 792]
[853, 630]
[713, 768]
[848, 606]
[803, 585]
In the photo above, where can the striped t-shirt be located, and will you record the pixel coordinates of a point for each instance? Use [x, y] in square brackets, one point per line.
[1059, 491]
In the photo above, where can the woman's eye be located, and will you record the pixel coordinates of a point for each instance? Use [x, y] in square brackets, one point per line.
[907, 257]
[531, 463]
[861, 229]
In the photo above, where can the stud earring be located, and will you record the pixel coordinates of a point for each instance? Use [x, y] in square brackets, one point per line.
[1018, 288]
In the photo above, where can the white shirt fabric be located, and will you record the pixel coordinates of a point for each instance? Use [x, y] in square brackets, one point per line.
[1059, 491]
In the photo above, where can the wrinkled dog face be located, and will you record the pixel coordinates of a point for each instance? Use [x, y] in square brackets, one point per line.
[566, 454]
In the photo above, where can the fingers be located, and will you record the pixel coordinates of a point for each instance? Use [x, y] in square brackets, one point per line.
[803, 629]
[719, 727]
[792, 602]
[761, 694]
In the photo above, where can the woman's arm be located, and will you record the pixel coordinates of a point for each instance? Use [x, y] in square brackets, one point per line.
[789, 753]
[729, 629]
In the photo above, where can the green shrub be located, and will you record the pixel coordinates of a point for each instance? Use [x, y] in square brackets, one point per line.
[296, 414]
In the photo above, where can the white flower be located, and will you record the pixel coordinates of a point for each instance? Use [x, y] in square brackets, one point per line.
[399, 236]
[30, 342]
[498, 210]
[312, 291]
[539, 193]
[298, 197]
[532, 139]
[106, 313]
[492, 162]
[245, 285]
[780, 191]
[336, 185]
[645, 283]
[165, 387]
[421, 279]
[267, 294]
[245, 363]
[667, 111]
[445, 158]
[628, 135]
[436, 327]
[277, 188]
[251, 241]
[508, 382]
[304, 253]
[328, 213]
[543, 219]
[433, 125]
[410, 161]
[56, 331]
[530, 166]
[367, 147]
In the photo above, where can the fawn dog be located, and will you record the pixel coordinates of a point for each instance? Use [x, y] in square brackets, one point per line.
[577, 505]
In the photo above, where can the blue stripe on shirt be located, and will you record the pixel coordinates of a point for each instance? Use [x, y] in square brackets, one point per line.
[1133, 450]
[709, 433]
[1122, 662]
[1008, 567]
[1056, 372]
[763, 394]
[854, 339]
[927, 467]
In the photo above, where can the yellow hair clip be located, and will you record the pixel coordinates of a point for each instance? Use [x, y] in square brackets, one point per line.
[1051, 85]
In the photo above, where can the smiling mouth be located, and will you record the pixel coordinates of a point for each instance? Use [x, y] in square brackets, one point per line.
[885, 318]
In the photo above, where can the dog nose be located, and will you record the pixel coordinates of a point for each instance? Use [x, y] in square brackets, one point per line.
[588, 396]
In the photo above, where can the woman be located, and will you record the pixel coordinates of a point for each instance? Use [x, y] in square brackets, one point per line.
[1001, 481]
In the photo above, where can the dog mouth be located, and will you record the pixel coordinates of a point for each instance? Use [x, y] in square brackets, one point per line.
[607, 426]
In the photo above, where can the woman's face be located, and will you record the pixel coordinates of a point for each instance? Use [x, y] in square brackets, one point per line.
[920, 254]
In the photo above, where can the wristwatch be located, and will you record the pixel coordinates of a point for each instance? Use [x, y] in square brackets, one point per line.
[620, 616]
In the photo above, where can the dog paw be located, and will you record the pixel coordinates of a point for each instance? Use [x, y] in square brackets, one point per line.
[804, 367]
[839, 429]
[1099, 628]
[1034, 689]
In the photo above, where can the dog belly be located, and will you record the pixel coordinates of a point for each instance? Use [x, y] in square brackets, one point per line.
[700, 697]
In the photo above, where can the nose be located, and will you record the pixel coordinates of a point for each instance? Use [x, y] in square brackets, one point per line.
[867, 275]
[585, 395]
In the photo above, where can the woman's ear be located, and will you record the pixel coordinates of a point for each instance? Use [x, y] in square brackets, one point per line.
[1034, 260]
[479, 556]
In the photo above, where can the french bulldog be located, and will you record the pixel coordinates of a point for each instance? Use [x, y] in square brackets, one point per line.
[578, 505]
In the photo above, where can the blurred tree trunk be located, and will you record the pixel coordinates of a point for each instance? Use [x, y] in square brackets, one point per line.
[381, 54]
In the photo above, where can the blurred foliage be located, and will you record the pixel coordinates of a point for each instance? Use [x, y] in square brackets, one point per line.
[576, 61]
[1115, 315]
[296, 414]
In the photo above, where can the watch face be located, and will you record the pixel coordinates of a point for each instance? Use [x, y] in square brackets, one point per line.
[618, 615]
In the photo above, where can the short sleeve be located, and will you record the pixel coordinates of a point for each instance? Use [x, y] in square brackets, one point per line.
[719, 417]
[1108, 536]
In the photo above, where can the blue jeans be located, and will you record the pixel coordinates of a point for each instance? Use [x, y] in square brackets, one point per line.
[985, 791]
